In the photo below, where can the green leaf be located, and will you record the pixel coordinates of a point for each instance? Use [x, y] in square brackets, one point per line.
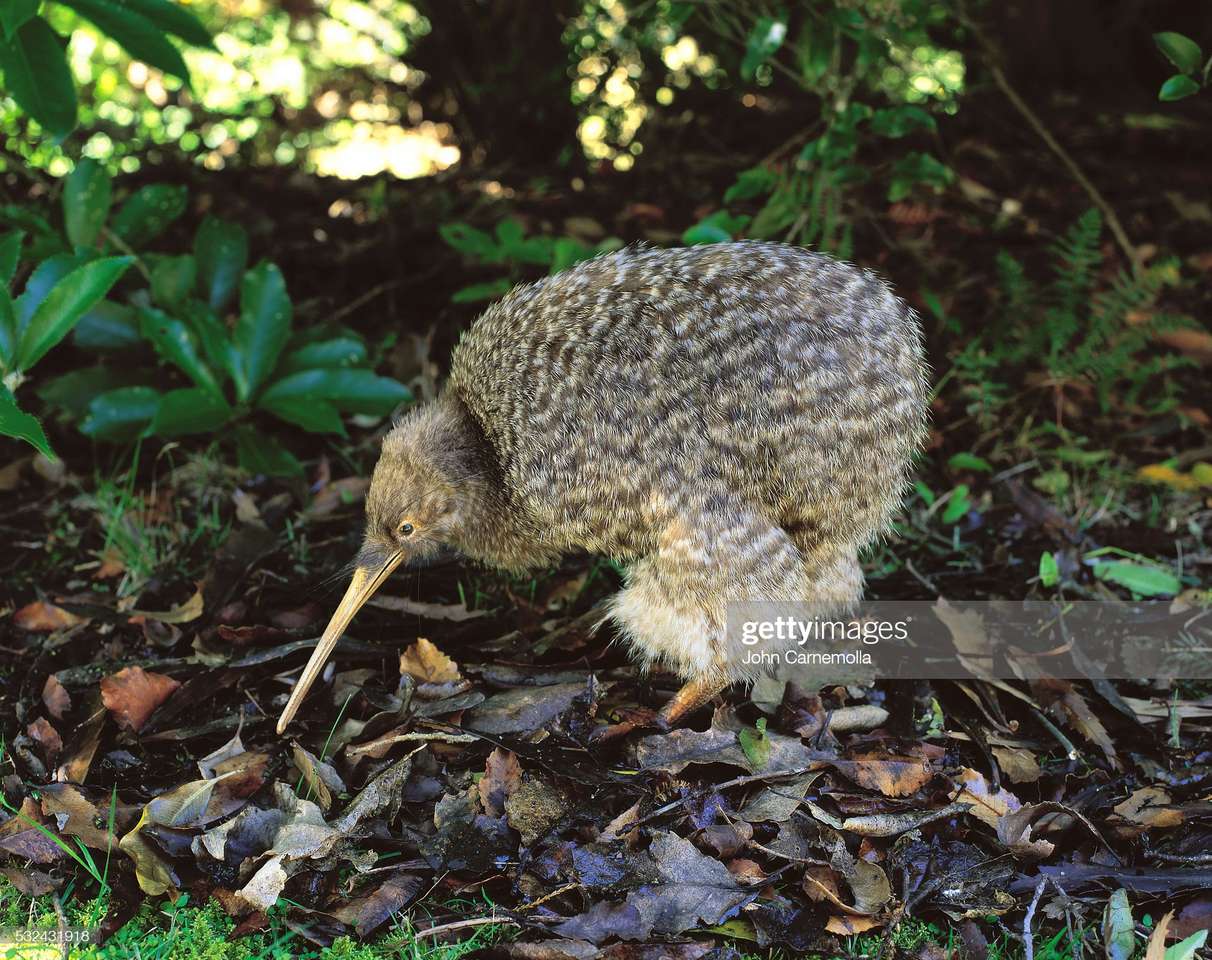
[915, 168]
[567, 251]
[135, 33]
[1146, 581]
[262, 328]
[148, 212]
[1177, 87]
[121, 414]
[351, 391]
[40, 283]
[969, 461]
[1119, 929]
[63, 307]
[87, 194]
[175, 19]
[10, 253]
[312, 414]
[469, 240]
[37, 76]
[1180, 50]
[765, 38]
[221, 250]
[212, 336]
[177, 344]
[172, 279]
[337, 352]
[259, 453]
[14, 13]
[8, 330]
[719, 227]
[1185, 949]
[488, 290]
[108, 326]
[15, 422]
[751, 183]
[74, 391]
[755, 745]
[189, 410]
[894, 122]
[958, 505]
[1049, 572]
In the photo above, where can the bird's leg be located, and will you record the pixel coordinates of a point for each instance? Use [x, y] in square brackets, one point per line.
[693, 695]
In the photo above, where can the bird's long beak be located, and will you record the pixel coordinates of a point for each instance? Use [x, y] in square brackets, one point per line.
[365, 581]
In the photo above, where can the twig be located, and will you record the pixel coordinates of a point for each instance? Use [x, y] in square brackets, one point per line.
[479, 922]
[1028, 942]
[1032, 118]
[361, 301]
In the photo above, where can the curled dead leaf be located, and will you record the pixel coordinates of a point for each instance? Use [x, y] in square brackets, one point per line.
[42, 617]
[425, 663]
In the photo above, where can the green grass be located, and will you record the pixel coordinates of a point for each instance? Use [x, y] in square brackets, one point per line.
[186, 930]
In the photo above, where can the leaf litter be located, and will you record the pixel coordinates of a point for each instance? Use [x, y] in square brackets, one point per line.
[445, 760]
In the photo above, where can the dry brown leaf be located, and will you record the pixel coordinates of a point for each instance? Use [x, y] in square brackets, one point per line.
[425, 663]
[1156, 950]
[47, 737]
[1149, 807]
[191, 609]
[849, 926]
[132, 694]
[1062, 700]
[346, 492]
[891, 776]
[1196, 344]
[41, 617]
[55, 697]
[987, 806]
[502, 776]
[1018, 764]
[111, 565]
[455, 612]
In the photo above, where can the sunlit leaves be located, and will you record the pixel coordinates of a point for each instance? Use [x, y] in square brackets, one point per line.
[66, 303]
[37, 76]
[136, 34]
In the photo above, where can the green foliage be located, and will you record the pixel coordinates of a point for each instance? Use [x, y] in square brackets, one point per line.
[1185, 54]
[1084, 332]
[33, 55]
[57, 296]
[234, 372]
[508, 246]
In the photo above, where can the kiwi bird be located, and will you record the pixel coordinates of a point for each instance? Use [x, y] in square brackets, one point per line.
[732, 422]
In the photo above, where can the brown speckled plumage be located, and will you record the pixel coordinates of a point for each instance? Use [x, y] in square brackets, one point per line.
[734, 422]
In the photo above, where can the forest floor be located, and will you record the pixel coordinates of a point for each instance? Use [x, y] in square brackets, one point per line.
[440, 795]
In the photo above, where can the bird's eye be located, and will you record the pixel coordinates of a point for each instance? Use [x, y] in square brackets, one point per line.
[406, 529]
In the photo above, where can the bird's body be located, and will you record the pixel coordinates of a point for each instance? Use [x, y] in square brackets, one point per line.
[733, 421]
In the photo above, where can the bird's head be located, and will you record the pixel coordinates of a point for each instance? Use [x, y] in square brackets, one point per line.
[423, 490]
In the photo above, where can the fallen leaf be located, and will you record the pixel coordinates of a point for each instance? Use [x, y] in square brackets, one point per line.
[848, 926]
[523, 710]
[1150, 807]
[154, 874]
[425, 663]
[1119, 929]
[131, 695]
[673, 752]
[502, 777]
[41, 617]
[371, 910]
[321, 778]
[1018, 764]
[454, 612]
[190, 610]
[987, 806]
[55, 697]
[47, 737]
[891, 776]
